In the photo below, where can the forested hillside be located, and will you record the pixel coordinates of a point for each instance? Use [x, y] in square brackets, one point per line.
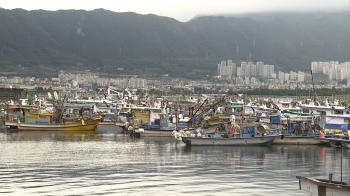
[43, 42]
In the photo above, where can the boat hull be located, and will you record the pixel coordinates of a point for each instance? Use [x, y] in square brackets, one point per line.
[168, 132]
[253, 141]
[296, 140]
[88, 125]
[323, 187]
[107, 123]
[155, 133]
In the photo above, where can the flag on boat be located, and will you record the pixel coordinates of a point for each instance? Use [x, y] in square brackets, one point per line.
[49, 95]
[55, 95]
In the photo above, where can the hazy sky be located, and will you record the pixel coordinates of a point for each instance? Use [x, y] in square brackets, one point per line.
[182, 10]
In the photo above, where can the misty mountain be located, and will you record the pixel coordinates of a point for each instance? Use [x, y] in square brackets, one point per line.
[275, 15]
[43, 42]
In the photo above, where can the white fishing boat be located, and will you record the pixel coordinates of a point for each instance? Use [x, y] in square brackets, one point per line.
[220, 140]
[334, 120]
[160, 123]
[297, 140]
[287, 106]
[337, 142]
[324, 187]
[246, 136]
[327, 187]
[164, 127]
[153, 132]
[152, 122]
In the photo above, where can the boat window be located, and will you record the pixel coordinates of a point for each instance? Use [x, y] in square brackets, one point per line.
[346, 121]
[16, 110]
[306, 110]
[109, 116]
[142, 111]
[42, 117]
[337, 111]
[157, 111]
[32, 111]
[285, 105]
[271, 112]
[238, 110]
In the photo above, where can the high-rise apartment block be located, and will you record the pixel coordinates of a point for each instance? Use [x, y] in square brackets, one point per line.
[227, 70]
[333, 69]
[249, 69]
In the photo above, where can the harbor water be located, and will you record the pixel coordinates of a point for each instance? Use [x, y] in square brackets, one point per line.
[108, 162]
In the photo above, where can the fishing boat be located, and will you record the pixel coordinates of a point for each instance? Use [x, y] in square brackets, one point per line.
[323, 187]
[296, 140]
[224, 112]
[162, 124]
[159, 124]
[294, 130]
[221, 140]
[334, 120]
[246, 136]
[108, 119]
[128, 111]
[31, 118]
[327, 187]
[337, 142]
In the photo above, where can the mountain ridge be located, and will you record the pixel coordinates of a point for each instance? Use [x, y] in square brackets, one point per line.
[47, 41]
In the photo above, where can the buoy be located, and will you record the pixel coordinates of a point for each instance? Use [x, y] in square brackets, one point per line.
[217, 131]
[322, 136]
[322, 153]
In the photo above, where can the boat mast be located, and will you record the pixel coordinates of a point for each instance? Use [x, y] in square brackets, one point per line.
[313, 87]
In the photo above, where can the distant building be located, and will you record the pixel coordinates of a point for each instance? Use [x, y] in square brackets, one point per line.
[286, 77]
[259, 70]
[204, 90]
[239, 72]
[239, 80]
[293, 75]
[300, 77]
[333, 69]
[245, 68]
[226, 70]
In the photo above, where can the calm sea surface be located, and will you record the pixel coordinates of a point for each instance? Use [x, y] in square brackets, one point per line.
[110, 163]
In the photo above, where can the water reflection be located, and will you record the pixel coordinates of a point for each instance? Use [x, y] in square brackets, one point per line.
[98, 134]
[52, 136]
[111, 163]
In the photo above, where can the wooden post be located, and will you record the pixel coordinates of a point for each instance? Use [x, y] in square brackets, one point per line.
[177, 117]
[313, 87]
[330, 175]
[341, 163]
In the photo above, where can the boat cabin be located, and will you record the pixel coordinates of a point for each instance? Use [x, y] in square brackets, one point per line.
[28, 114]
[334, 119]
[231, 109]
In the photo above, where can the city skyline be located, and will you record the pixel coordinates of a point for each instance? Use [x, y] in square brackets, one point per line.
[251, 73]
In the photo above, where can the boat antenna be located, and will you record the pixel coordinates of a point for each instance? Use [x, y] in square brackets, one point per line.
[313, 87]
